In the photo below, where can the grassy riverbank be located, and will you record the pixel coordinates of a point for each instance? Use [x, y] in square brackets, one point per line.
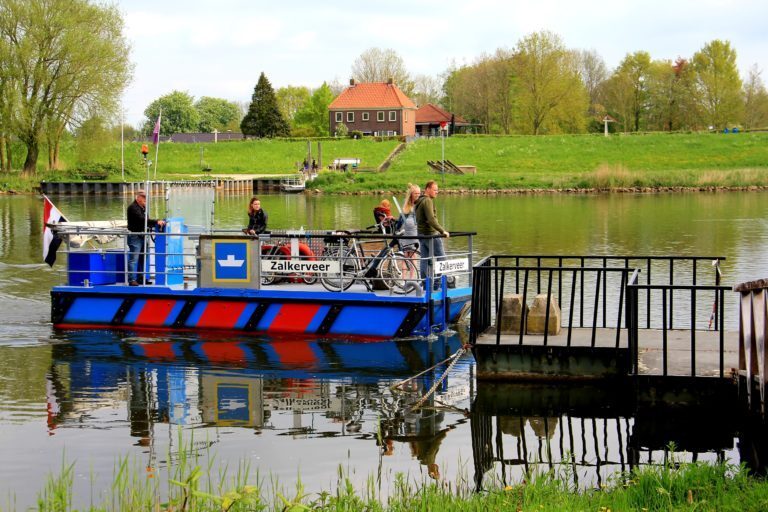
[695, 486]
[503, 163]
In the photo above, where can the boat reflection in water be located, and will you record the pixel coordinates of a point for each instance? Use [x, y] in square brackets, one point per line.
[313, 391]
[277, 387]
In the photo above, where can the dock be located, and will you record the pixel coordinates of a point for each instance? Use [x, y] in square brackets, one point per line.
[229, 185]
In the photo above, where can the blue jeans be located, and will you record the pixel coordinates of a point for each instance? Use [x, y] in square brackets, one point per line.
[426, 261]
[135, 257]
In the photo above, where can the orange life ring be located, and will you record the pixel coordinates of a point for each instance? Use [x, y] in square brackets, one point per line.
[304, 250]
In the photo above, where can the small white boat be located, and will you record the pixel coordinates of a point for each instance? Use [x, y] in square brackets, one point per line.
[293, 184]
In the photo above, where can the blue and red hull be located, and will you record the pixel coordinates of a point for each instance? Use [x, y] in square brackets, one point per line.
[315, 313]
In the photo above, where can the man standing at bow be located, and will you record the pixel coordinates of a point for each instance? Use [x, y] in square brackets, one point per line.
[137, 212]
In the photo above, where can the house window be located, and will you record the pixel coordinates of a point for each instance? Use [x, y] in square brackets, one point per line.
[393, 115]
[365, 116]
[339, 117]
[406, 116]
[380, 117]
[350, 117]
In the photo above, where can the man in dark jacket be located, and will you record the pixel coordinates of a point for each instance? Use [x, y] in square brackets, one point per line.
[136, 214]
[427, 224]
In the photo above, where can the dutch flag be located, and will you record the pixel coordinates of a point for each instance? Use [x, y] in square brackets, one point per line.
[51, 241]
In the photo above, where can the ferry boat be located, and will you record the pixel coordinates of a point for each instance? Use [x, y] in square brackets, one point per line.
[332, 284]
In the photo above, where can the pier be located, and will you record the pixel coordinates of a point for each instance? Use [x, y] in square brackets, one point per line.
[249, 185]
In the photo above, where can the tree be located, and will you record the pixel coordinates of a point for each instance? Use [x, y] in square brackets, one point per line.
[550, 95]
[378, 65]
[719, 83]
[263, 118]
[755, 100]
[636, 68]
[593, 73]
[313, 117]
[179, 114]
[216, 114]
[427, 89]
[290, 100]
[68, 60]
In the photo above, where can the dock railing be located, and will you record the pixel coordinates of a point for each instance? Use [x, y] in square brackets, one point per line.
[695, 298]
[621, 293]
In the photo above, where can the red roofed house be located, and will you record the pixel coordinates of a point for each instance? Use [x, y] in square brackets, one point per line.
[429, 117]
[374, 109]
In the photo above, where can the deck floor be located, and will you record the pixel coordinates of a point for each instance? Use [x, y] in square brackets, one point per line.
[650, 349]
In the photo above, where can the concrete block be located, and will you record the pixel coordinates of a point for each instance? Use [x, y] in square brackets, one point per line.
[511, 311]
[537, 316]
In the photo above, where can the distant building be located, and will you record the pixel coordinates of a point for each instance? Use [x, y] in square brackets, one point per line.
[374, 109]
[429, 118]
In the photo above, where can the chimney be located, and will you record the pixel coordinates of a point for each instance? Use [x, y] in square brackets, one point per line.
[391, 81]
[352, 82]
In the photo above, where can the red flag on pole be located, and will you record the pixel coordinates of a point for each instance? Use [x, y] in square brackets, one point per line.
[51, 241]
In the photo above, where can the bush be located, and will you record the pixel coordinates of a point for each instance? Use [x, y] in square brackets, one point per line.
[94, 171]
[355, 134]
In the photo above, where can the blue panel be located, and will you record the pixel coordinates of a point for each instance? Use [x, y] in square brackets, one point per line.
[231, 261]
[360, 319]
[268, 317]
[233, 402]
[314, 325]
[197, 312]
[174, 313]
[87, 310]
[133, 314]
[245, 315]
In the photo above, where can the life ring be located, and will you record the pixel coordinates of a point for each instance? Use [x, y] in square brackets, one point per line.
[285, 251]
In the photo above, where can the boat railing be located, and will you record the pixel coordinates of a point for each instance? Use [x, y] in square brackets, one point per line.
[177, 256]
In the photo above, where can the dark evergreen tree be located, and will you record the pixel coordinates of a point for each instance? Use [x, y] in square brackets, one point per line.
[264, 118]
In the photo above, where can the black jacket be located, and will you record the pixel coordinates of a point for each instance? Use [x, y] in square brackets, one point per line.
[136, 218]
[257, 221]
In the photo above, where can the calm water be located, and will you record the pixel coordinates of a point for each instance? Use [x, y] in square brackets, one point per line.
[309, 407]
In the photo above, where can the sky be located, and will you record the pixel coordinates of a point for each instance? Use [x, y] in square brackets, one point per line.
[219, 48]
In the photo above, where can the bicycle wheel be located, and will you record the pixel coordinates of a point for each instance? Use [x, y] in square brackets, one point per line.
[271, 278]
[399, 273]
[349, 265]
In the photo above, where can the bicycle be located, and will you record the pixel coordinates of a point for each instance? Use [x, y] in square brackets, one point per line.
[391, 267]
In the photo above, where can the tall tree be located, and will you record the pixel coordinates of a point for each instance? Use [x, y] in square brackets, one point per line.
[179, 114]
[755, 100]
[263, 118]
[217, 114]
[314, 114]
[636, 68]
[291, 99]
[719, 83]
[427, 89]
[379, 65]
[70, 61]
[550, 95]
[593, 73]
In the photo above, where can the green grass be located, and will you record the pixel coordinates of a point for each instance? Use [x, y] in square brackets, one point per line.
[655, 160]
[191, 485]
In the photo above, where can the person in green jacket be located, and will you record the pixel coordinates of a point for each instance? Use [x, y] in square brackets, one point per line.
[427, 224]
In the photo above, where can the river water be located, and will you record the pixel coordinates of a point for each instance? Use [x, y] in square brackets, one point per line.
[308, 407]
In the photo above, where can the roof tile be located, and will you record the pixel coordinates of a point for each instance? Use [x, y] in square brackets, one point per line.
[371, 95]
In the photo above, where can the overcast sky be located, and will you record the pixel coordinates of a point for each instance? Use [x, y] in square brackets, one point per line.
[219, 48]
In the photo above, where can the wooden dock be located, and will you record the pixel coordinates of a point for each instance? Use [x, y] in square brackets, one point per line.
[249, 185]
[609, 353]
